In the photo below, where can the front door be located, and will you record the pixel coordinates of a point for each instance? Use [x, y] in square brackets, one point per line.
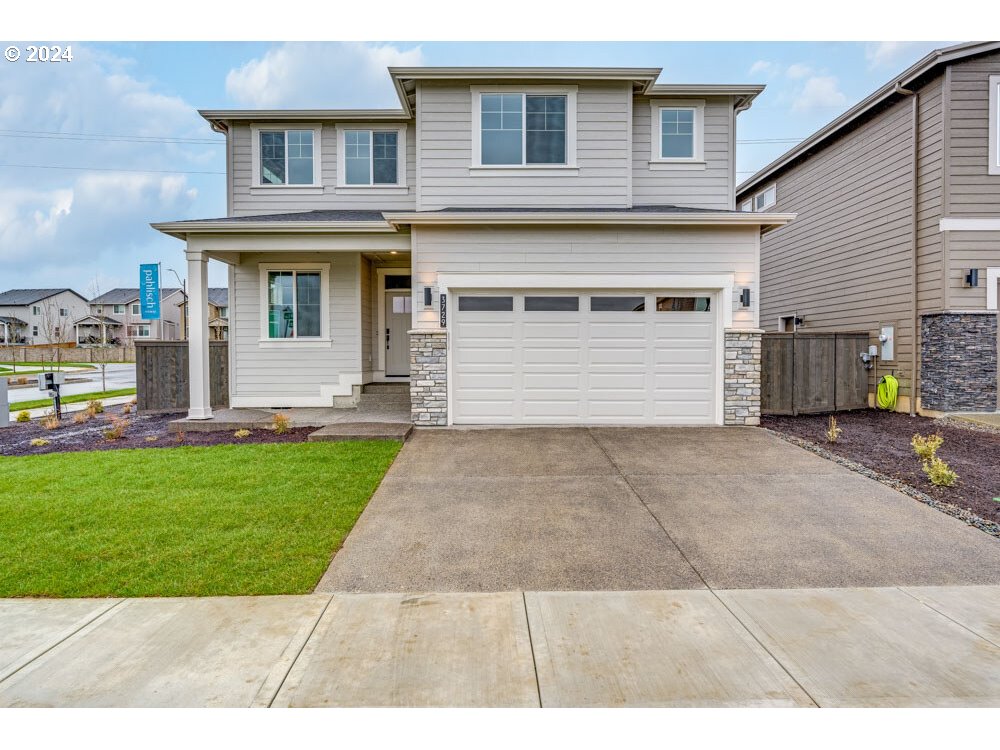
[397, 340]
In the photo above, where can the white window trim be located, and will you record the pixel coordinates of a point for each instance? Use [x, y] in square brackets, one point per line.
[994, 138]
[493, 170]
[311, 342]
[317, 130]
[343, 188]
[136, 308]
[114, 309]
[766, 206]
[747, 206]
[697, 161]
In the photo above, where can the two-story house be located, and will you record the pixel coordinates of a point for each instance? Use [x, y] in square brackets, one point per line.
[115, 317]
[520, 245]
[898, 230]
[218, 314]
[39, 316]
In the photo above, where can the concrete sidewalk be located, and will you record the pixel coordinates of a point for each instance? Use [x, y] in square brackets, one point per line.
[925, 646]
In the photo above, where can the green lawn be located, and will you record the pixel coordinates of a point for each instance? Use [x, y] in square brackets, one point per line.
[185, 521]
[77, 399]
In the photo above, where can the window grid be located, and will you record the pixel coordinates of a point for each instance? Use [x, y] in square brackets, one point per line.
[371, 157]
[677, 133]
[286, 157]
[507, 138]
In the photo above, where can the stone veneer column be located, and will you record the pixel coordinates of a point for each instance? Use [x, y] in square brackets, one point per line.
[958, 361]
[742, 377]
[429, 378]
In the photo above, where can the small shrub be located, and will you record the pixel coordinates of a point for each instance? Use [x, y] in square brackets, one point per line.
[22, 381]
[117, 429]
[39, 442]
[242, 433]
[80, 417]
[833, 432]
[282, 424]
[23, 416]
[126, 408]
[151, 438]
[51, 422]
[179, 437]
[926, 447]
[940, 474]
[95, 407]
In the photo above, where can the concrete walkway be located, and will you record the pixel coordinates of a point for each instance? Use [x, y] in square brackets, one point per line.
[793, 647]
[620, 508]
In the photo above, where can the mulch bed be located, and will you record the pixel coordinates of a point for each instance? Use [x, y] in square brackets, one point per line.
[881, 441]
[143, 431]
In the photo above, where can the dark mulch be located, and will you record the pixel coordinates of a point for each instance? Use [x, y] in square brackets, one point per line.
[881, 441]
[143, 431]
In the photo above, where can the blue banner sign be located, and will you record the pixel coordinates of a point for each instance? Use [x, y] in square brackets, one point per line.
[149, 291]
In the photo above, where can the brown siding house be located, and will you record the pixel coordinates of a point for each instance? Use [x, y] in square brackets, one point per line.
[898, 230]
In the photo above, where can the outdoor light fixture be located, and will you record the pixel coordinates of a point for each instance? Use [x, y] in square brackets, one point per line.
[427, 296]
[972, 277]
[745, 297]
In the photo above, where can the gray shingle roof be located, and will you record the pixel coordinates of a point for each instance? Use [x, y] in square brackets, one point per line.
[663, 209]
[296, 216]
[18, 297]
[218, 296]
[124, 295]
[11, 320]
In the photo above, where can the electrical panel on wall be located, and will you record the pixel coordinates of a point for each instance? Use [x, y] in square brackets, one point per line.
[887, 336]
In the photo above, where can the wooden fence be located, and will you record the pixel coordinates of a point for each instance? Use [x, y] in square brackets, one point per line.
[161, 375]
[66, 353]
[807, 373]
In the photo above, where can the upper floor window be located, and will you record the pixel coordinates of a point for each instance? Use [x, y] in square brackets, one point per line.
[761, 200]
[136, 308]
[118, 309]
[371, 157]
[63, 312]
[223, 312]
[524, 128]
[994, 137]
[36, 310]
[677, 135]
[286, 156]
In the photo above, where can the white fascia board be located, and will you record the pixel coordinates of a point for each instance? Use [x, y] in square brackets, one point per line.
[584, 217]
[180, 230]
[971, 224]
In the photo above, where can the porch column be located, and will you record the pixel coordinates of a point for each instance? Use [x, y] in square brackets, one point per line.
[197, 273]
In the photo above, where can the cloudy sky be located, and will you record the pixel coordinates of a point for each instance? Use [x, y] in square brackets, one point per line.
[93, 150]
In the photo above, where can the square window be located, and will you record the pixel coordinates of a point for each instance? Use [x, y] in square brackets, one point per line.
[286, 157]
[371, 157]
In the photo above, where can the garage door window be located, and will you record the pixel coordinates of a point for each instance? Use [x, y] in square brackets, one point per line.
[617, 304]
[683, 304]
[486, 304]
[551, 304]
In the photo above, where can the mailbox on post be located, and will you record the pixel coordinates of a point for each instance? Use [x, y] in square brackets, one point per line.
[47, 381]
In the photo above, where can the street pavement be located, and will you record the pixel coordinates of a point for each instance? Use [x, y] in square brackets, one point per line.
[117, 376]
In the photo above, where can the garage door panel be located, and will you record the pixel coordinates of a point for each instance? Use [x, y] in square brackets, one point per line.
[544, 366]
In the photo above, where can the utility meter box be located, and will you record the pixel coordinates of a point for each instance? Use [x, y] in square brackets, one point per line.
[887, 336]
[48, 380]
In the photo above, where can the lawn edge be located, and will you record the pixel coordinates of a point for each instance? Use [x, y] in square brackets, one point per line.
[962, 514]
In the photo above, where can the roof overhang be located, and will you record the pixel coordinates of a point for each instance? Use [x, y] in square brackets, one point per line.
[744, 94]
[859, 110]
[181, 229]
[674, 218]
[218, 118]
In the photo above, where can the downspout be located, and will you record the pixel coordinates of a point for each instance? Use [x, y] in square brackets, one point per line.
[914, 157]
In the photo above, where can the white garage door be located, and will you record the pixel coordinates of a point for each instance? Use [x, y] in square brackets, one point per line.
[583, 356]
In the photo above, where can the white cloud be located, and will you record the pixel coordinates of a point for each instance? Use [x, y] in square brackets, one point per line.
[764, 67]
[60, 227]
[320, 74]
[797, 71]
[898, 55]
[820, 93]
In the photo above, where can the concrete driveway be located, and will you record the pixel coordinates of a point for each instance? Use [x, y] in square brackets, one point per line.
[643, 508]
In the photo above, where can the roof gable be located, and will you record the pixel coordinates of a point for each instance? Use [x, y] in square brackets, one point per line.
[21, 297]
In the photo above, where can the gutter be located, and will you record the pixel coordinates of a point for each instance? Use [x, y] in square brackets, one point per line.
[914, 187]
[736, 218]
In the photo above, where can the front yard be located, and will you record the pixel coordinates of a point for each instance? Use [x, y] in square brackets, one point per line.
[881, 441]
[183, 521]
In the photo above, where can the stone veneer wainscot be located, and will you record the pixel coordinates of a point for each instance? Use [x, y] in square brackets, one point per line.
[742, 377]
[429, 378]
[958, 361]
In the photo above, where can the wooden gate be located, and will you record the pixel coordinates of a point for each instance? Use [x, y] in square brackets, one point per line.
[161, 375]
[807, 373]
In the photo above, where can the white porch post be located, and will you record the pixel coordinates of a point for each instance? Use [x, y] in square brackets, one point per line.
[197, 273]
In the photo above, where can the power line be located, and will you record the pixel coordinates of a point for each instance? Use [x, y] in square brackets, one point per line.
[107, 169]
[53, 135]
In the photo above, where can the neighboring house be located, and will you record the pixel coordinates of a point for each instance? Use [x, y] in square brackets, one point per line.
[39, 316]
[898, 229]
[521, 245]
[115, 317]
[218, 313]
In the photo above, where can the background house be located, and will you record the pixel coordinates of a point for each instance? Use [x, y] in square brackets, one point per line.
[39, 316]
[115, 317]
[218, 313]
[898, 229]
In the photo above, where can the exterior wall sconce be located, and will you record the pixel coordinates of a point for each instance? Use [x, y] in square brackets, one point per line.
[428, 300]
[745, 297]
[972, 277]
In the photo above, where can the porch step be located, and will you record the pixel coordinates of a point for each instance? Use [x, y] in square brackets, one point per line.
[361, 431]
[383, 388]
[381, 402]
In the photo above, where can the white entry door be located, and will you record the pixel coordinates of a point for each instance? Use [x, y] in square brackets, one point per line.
[584, 356]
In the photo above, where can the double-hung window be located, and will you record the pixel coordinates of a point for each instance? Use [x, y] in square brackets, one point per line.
[371, 157]
[678, 133]
[136, 308]
[524, 128]
[286, 157]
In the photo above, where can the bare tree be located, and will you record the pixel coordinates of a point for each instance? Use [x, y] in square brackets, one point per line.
[56, 328]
